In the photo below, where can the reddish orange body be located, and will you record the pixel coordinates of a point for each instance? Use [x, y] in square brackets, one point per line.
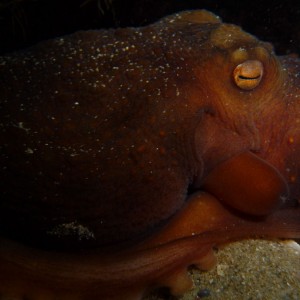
[127, 154]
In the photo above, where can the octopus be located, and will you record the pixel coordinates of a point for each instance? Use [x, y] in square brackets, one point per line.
[128, 154]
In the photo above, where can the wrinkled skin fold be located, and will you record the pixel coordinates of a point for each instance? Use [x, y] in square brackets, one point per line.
[128, 154]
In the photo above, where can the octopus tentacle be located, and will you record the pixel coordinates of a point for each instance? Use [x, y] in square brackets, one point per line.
[162, 260]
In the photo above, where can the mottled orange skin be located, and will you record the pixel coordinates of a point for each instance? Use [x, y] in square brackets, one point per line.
[114, 139]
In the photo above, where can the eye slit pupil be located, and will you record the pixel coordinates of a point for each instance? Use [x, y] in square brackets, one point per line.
[249, 78]
[248, 74]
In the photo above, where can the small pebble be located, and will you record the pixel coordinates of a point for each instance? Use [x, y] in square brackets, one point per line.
[203, 293]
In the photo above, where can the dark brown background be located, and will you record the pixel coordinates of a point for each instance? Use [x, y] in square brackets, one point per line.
[25, 22]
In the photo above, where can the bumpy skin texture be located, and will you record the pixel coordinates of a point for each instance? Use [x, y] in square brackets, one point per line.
[141, 139]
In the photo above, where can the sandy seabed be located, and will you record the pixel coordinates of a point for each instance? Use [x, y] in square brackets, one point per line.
[249, 270]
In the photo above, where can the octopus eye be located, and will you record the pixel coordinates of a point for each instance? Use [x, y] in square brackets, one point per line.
[248, 74]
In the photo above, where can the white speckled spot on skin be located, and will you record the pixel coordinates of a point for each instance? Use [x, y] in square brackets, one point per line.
[72, 229]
